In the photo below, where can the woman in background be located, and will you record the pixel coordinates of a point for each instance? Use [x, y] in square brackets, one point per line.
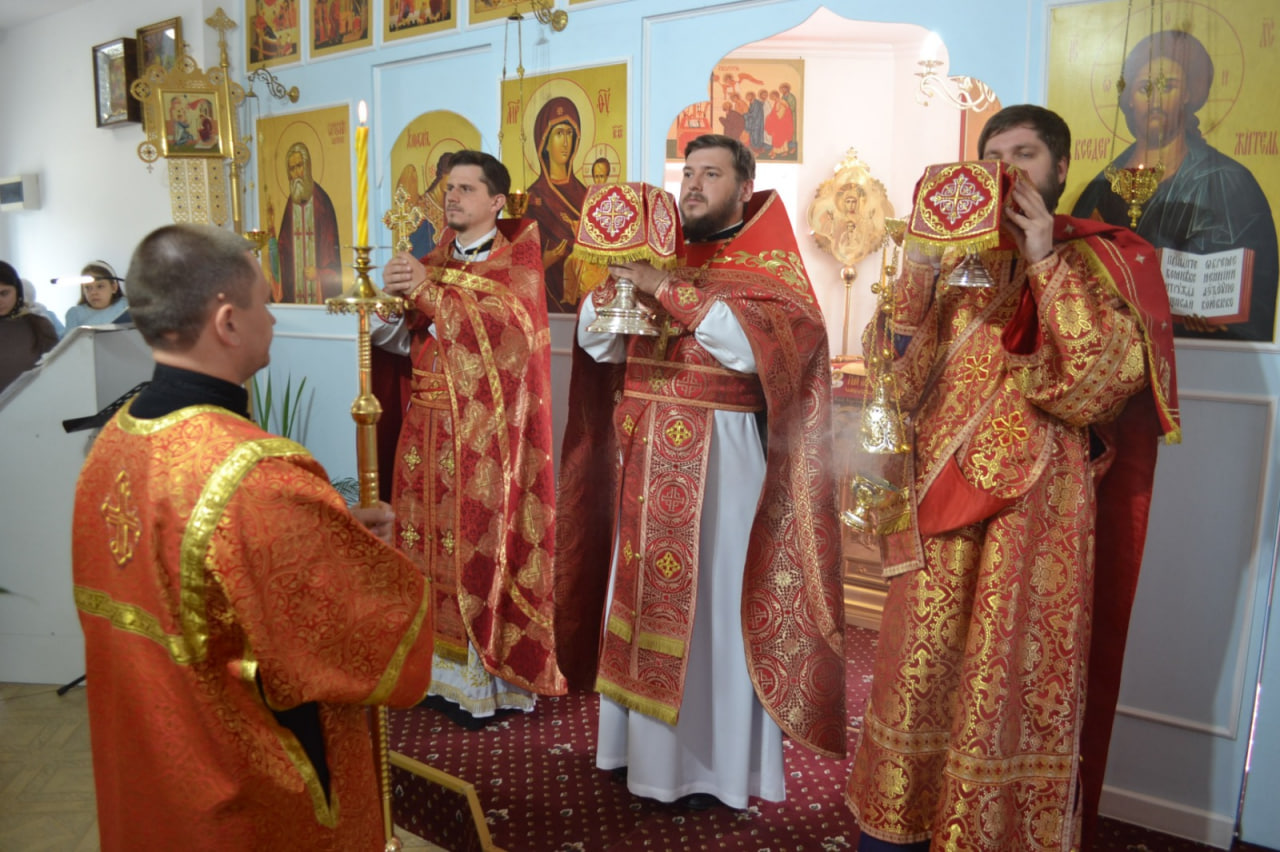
[24, 337]
[101, 300]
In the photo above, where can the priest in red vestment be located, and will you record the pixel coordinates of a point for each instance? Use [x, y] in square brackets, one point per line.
[1036, 406]
[236, 615]
[474, 482]
[698, 464]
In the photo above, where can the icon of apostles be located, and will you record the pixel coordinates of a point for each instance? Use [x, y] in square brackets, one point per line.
[310, 255]
[555, 198]
[1206, 202]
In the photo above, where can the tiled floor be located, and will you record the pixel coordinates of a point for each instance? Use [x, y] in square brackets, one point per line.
[46, 772]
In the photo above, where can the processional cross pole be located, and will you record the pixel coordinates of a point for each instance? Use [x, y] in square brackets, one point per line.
[364, 299]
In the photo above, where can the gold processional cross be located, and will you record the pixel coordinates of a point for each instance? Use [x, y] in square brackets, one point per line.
[403, 219]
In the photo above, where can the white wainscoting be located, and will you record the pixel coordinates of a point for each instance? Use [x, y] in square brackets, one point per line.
[1177, 751]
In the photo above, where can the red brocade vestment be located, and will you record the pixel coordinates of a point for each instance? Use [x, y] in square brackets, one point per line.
[474, 490]
[1033, 403]
[219, 577]
[666, 395]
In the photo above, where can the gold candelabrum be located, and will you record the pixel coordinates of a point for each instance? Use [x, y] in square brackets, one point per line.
[878, 505]
[1136, 185]
[364, 299]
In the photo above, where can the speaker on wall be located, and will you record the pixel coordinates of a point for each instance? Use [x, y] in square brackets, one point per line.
[20, 192]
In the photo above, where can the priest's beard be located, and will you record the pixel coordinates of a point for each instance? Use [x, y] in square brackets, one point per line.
[715, 220]
[301, 190]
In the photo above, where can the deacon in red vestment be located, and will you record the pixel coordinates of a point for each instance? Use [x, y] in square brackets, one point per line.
[474, 483]
[698, 464]
[1037, 405]
[236, 615]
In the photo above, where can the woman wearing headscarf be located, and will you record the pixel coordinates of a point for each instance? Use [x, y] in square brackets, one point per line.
[24, 337]
[555, 198]
[101, 299]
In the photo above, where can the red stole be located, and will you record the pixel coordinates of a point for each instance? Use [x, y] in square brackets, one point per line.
[493, 349]
[793, 578]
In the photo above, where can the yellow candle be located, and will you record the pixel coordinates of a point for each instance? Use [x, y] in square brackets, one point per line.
[362, 178]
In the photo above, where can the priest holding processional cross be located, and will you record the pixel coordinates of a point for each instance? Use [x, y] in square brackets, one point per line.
[473, 486]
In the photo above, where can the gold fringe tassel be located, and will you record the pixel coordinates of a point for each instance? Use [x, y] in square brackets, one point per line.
[606, 257]
[937, 247]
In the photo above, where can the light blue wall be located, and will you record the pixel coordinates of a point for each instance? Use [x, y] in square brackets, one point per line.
[99, 199]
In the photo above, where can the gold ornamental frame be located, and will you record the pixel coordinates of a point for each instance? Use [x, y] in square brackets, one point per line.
[218, 99]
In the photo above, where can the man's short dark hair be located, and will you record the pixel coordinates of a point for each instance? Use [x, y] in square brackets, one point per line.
[1047, 124]
[495, 176]
[175, 276]
[744, 162]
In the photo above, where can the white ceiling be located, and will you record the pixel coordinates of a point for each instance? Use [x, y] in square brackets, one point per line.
[15, 13]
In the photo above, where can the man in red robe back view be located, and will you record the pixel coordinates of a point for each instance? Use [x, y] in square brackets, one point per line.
[236, 615]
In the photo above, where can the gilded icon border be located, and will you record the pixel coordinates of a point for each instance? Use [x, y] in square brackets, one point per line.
[115, 66]
[160, 43]
[201, 133]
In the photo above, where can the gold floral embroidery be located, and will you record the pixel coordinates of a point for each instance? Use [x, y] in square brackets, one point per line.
[1065, 494]
[985, 471]
[679, 433]
[1045, 576]
[891, 780]
[1072, 316]
[668, 564]
[535, 519]
[1048, 826]
[1009, 430]
[467, 370]
[485, 483]
[785, 265]
[121, 516]
[978, 366]
[1134, 362]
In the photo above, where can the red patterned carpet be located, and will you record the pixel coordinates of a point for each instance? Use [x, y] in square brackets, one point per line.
[539, 789]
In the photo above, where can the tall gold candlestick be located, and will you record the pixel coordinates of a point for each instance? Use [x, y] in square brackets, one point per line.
[362, 177]
[362, 300]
